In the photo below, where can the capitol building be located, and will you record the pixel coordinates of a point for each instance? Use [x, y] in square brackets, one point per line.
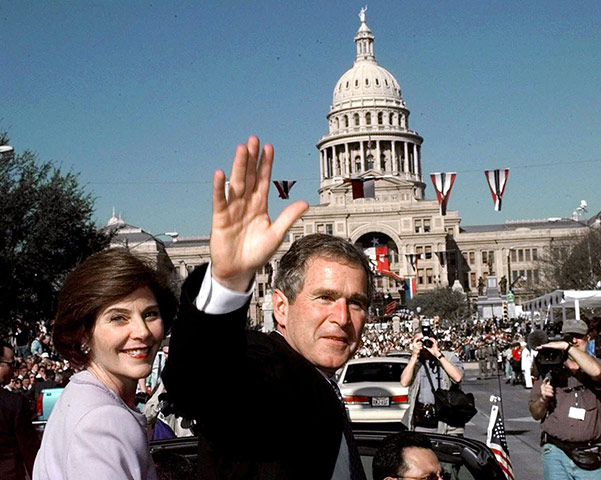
[369, 137]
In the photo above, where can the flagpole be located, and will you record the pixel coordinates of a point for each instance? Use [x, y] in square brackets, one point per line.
[496, 352]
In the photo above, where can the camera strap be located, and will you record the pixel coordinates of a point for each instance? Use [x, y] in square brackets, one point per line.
[430, 378]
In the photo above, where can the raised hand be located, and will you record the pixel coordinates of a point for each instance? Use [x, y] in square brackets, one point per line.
[243, 238]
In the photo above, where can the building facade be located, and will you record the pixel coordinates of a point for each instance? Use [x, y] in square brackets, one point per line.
[369, 138]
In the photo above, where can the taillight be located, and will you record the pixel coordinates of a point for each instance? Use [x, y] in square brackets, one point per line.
[356, 400]
[400, 399]
[39, 404]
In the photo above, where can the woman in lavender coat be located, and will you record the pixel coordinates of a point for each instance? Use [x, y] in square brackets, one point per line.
[113, 311]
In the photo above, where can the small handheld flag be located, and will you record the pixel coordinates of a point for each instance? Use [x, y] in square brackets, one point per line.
[497, 441]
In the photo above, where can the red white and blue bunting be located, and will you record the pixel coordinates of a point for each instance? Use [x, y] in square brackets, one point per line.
[443, 182]
[363, 188]
[443, 257]
[497, 180]
[284, 187]
[412, 258]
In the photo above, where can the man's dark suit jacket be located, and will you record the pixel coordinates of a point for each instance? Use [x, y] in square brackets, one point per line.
[264, 412]
[19, 442]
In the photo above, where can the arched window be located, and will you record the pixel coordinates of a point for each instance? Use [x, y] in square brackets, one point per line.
[380, 118]
[356, 118]
[390, 119]
[358, 168]
[356, 82]
[346, 121]
[382, 162]
[367, 82]
[370, 162]
[337, 123]
[400, 120]
[368, 118]
[377, 82]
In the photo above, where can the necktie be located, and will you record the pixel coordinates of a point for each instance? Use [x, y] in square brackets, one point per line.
[357, 472]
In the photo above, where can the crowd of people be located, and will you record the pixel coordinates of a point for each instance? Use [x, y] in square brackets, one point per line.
[37, 365]
[464, 339]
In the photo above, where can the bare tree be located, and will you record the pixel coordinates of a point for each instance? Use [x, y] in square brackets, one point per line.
[573, 264]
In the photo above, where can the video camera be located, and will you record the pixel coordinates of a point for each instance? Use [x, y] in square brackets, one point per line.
[548, 361]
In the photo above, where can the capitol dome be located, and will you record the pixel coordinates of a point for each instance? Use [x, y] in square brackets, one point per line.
[366, 80]
[369, 134]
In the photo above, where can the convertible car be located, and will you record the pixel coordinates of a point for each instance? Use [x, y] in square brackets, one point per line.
[461, 458]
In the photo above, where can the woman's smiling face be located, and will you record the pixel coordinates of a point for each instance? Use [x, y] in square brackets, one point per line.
[125, 340]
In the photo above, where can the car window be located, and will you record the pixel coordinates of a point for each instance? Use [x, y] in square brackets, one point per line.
[374, 372]
[457, 471]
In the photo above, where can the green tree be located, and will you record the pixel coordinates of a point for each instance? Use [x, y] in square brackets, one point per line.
[46, 228]
[573, 264]
[450, 306]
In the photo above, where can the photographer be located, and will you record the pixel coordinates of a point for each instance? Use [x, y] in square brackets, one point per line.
[567, 399]
[444, 369]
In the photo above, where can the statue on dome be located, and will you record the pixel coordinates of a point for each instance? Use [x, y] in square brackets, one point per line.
[362, 14]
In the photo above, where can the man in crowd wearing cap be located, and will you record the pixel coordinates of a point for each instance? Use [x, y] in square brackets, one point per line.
[568, 403]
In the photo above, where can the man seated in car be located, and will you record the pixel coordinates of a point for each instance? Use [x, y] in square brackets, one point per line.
[406, 455]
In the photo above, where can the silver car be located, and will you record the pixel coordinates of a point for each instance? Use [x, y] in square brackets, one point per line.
[372, 391]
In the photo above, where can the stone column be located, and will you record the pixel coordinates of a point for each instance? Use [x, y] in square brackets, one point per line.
[321, 170]
[347, 160]
[362, 150]
[406, 159]
[415, 161]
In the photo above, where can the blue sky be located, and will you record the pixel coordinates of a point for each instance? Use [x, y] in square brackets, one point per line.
[146, 99]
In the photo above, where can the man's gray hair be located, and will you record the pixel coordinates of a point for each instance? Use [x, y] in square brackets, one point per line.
[290, 275]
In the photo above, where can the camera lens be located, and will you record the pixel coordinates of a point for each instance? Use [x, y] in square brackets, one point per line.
[427, 343]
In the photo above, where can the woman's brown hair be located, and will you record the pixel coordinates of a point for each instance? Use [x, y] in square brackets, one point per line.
[95, 284]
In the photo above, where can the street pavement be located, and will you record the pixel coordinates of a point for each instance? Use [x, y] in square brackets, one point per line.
[523, 432]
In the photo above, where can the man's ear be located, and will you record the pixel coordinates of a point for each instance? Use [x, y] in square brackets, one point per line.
[280, 307]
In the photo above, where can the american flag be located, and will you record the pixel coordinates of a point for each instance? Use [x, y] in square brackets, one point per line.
[497, 441]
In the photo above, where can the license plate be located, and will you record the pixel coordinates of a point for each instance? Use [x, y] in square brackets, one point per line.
[380, 401]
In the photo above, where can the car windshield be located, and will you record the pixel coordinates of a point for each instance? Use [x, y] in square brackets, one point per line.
[374, 372]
